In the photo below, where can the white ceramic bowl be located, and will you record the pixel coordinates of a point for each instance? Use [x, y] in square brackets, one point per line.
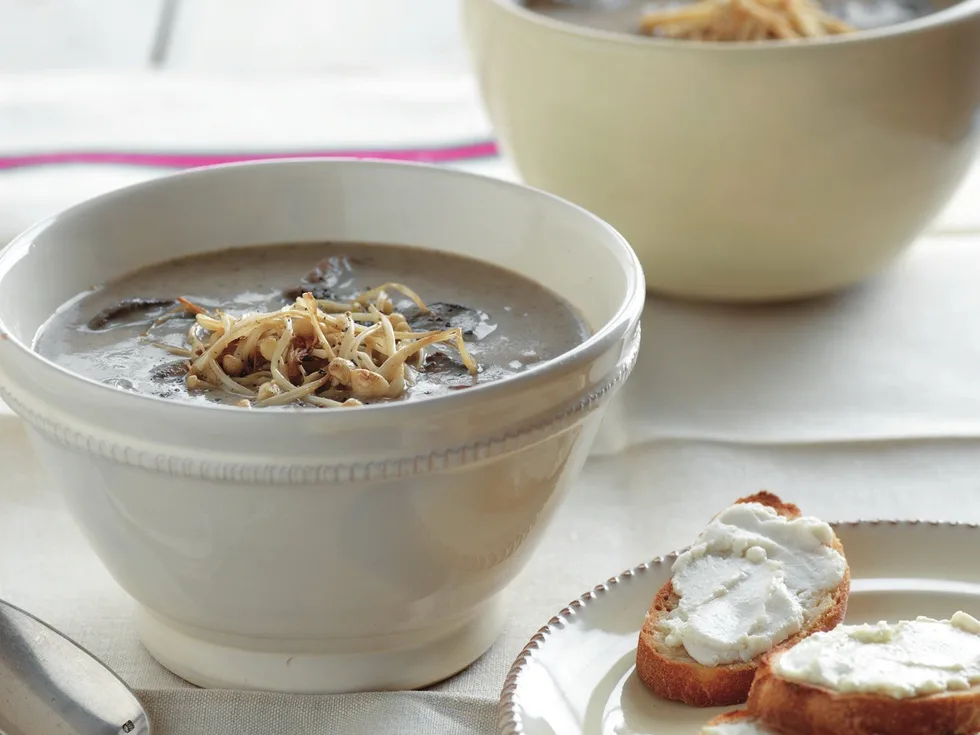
[319, 551]
[739, 171]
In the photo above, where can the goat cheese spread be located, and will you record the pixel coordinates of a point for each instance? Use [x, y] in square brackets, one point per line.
[908, 659]
[750, 581]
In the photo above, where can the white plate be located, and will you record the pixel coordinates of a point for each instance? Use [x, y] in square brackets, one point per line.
[575, 677]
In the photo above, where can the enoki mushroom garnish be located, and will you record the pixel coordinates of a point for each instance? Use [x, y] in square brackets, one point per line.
[744, 20]
[319, 352]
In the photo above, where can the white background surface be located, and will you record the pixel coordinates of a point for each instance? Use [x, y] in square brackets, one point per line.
[863, 405]
[238, 36]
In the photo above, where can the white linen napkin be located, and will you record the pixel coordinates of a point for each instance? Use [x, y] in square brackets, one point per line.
[66, 137]
[895, 358]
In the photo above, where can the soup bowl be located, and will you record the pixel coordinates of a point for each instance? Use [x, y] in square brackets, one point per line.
[744, 172]
[319, 550]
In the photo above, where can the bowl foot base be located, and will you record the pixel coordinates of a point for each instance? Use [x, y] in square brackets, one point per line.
[401, 661]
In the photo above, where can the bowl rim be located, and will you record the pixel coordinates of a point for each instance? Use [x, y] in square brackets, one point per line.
[947, 16]
[605, 337]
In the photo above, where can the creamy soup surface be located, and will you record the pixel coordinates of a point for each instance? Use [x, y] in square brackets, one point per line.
[623, 16]
[509, 323]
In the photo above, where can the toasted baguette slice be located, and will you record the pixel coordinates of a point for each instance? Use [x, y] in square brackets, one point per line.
[671, 673]
[806, 709]
[739, 722]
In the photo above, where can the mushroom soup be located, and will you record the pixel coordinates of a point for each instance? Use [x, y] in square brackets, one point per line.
[256, 327]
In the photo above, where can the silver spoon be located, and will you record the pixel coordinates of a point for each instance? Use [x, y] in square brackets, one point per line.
[51, 686]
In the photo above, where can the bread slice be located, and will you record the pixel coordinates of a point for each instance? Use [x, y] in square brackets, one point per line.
[806, 709]
[739, 722]
[671, 673]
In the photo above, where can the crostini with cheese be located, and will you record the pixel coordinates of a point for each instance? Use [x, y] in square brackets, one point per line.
[759, 578]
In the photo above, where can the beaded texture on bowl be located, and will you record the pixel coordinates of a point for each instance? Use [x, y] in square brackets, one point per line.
[284, 474]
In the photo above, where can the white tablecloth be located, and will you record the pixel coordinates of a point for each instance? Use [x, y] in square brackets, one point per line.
[862, 405]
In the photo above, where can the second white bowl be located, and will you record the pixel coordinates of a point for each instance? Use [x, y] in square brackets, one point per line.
[739, 171]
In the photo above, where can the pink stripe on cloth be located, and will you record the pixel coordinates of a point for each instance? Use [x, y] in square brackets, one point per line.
[437, 154]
